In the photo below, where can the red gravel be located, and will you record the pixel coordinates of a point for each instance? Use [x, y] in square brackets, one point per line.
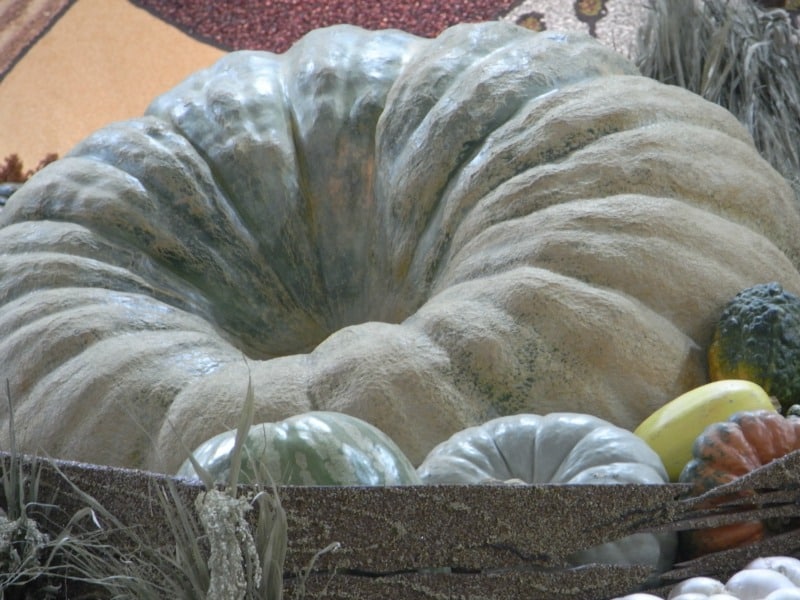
[275, 24]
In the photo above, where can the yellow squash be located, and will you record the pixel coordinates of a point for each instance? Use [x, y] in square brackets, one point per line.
[672, 429]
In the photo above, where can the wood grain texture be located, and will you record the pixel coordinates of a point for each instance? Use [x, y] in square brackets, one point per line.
[466, 541]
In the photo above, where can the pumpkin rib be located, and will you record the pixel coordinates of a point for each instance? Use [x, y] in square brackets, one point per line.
[769, 434]
[733, 452]
[748, 440]
[120, 364]
[141, 229]
[227, 163]
[616, 244]
[66, 274]
[293, 209]
[561, 125]
[28, 272]
[203, 267]
[590, 163]
[537, 302]
[89, 321]
[196, 213]
[335, 108]
[455, 128]
[726, 142]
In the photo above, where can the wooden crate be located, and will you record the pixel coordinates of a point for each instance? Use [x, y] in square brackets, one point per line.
[470, 542]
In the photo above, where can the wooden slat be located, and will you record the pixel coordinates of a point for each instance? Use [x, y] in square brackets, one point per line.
[459, 541]
[468, 527]
[590, 583]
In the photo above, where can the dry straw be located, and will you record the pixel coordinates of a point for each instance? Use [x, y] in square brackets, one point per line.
[215, 552]
[738, 55]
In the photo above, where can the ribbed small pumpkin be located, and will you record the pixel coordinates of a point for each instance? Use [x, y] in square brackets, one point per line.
[726, 451]
[557, 448]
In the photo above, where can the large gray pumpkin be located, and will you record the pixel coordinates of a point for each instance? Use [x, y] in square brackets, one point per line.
[421, 233]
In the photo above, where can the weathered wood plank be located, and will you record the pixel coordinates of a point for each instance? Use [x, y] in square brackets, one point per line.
[467, 527]
[391, 541]
[588, 583]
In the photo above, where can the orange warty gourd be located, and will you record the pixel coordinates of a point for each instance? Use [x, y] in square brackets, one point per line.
[726, 451]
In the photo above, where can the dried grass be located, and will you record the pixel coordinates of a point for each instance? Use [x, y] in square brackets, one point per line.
[739, 56]
[29, 558]
[215, 552]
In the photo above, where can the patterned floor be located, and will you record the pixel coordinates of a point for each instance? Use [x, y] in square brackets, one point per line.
[68, 67]
[274, 24]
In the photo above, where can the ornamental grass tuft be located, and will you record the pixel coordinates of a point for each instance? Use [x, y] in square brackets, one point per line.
[738, 55]
[215, 552]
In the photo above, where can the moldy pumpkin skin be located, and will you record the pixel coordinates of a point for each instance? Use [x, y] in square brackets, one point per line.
[424, 234]
[758, 338]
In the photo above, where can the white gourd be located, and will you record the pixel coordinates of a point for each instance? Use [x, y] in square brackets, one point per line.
[561, 448]
[765, 578]
[756, 584]
[697, 585]
[784, 594]
[785, 565]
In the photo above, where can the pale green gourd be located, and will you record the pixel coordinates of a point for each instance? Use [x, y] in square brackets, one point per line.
[314, 448]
